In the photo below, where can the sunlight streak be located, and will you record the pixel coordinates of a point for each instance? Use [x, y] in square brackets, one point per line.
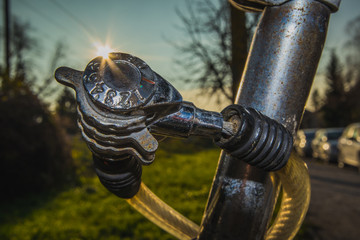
[103, 50]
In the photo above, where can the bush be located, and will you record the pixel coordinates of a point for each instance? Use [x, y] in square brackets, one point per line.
[33, 152]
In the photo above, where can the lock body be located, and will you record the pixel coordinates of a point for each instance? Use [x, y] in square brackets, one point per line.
[124, 108]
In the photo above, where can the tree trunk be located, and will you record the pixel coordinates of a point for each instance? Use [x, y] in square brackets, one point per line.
[239, 38]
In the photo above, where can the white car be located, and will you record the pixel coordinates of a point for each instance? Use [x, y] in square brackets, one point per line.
[349, 146]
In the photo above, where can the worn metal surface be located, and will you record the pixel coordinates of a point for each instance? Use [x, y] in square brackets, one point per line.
[259, 5]
[190, 121]
[119, 84]
[252, 137]
[118, 98]
[277, 80]
[122, 102]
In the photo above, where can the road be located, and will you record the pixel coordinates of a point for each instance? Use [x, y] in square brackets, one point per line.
[334, 212]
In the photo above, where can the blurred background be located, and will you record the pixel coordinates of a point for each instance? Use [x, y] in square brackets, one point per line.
[48, 187]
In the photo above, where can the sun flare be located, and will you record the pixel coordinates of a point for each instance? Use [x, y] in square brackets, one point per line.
[103, 51]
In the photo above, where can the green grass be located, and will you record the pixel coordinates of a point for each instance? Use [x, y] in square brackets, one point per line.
[88, 211]
[181, 175]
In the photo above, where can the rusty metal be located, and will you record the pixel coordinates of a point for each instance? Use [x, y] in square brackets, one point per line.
[279, 72]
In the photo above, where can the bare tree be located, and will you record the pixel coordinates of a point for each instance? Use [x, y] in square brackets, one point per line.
[214, 52]
[24, 49]
[22, 44]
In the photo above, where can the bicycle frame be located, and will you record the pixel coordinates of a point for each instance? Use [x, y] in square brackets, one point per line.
[277, 80]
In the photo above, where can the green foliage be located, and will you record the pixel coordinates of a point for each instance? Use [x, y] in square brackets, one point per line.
[336, 109]
[89, 211]
[340, 106]
[34, 154]
[33, 151]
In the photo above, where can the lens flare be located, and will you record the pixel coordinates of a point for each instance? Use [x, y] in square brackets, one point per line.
[103, 51]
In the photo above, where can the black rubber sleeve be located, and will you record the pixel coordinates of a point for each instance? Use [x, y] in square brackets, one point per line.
[258, 140]
[122, 177]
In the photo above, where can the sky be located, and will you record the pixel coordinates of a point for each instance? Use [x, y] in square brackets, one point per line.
[140, 27]
[336, 36]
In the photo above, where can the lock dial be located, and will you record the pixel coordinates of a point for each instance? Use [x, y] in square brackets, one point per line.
[121, 83]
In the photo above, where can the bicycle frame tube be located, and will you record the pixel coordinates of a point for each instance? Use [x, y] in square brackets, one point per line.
[277, 79]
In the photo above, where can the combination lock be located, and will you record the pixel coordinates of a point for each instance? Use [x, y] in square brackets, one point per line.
[124, 106]
[117, 99]
[123, 83]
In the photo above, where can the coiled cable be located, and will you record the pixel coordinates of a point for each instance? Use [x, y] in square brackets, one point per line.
[295, 181]
[161, 214]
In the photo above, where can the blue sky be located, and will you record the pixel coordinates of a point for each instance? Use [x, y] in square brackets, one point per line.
[138, 27]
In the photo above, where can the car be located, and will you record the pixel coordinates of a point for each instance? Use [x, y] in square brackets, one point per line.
[349, 146]
[303, 142]
[324, 145]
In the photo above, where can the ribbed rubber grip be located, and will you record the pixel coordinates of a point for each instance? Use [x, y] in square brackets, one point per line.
[122, 178]
[258, 140]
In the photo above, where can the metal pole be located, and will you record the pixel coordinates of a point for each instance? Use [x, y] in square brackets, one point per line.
[7, 38]
[276, 81]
